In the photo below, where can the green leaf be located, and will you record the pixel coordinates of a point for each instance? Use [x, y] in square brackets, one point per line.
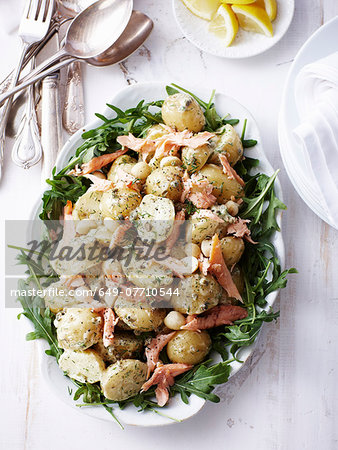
[90, 393]
[206, 378]
[42, 320]
[254, 204]
[247, 143]
[171, 91]
[269, 222]
[202, 380]
[203, 104]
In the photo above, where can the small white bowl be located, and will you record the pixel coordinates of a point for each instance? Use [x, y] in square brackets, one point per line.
[246, 43]
[124, 99]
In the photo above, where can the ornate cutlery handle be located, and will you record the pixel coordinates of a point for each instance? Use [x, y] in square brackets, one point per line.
[50, 124]
[7, 106]
[27, 150]
[73, 111]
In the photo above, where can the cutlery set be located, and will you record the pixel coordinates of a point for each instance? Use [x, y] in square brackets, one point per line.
[101, 33]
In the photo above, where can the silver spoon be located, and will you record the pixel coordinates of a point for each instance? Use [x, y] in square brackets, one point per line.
[91, 33]
[72, 7]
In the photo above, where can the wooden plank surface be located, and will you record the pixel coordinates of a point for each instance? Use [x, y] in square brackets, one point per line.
[286, 396]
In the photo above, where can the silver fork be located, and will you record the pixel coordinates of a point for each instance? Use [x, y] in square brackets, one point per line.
[34, 26]
[34, 49]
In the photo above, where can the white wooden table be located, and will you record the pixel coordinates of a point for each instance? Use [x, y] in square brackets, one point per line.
[286, 397]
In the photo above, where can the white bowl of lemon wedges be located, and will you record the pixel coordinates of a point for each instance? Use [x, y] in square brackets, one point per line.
[234, 28]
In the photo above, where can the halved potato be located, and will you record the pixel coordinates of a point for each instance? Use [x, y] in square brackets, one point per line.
[86, 366]
[154, 218]
[123, 379]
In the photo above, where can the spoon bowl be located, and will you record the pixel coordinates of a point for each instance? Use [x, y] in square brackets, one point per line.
[97, 27]
[137, 31]
[73, 7]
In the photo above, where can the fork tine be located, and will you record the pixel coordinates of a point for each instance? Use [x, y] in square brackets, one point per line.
[33, 10]
[46, 10]
[42, 9]
[49, 10]
[27, 9]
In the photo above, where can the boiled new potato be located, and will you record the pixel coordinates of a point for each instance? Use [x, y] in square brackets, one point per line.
[138, 316]
[195, 158]
[182, 112]
[223, 186]
[197, 293]
[126, 163]
[57, 297]
[76, 256]
[123, 379]
[189, 347]
[157, 131]
[232, 249]
[120, 202]
[154, 218]
[223, 213]
[86, 366]
[85, 225]
[88, 205]
[125, 346]
[101, 234]
[141, 170]
[165, 182]
[147, 274]
[170, 161]
[78, 328]
[202, 226]
[228, 143]
[174, 320]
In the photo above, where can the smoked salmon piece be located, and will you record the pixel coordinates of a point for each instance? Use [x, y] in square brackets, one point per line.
[174, 235]
[109, 323]
[229, 171]
[68, 223]
[143, 146]
[207, 213]
[166, 145]
[72, 281]
[203, 264]
[219, 269]
[164, 378]
[127, 179]
[97, 163]
[154, 349]
[198, 190]
[240, 229]
[119, 233]
[216, 316]
[99, 184]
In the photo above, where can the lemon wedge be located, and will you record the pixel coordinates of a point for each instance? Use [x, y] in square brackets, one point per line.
[205, 9]
[253, 18]
[238, 2]
[224, 24]
[270, 7]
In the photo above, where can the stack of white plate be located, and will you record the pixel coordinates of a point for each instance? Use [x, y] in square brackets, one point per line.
[296, 161]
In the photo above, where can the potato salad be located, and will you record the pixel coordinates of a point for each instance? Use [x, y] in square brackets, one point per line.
[170, 178]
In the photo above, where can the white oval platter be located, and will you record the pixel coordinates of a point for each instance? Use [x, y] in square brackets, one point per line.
[127, 98]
